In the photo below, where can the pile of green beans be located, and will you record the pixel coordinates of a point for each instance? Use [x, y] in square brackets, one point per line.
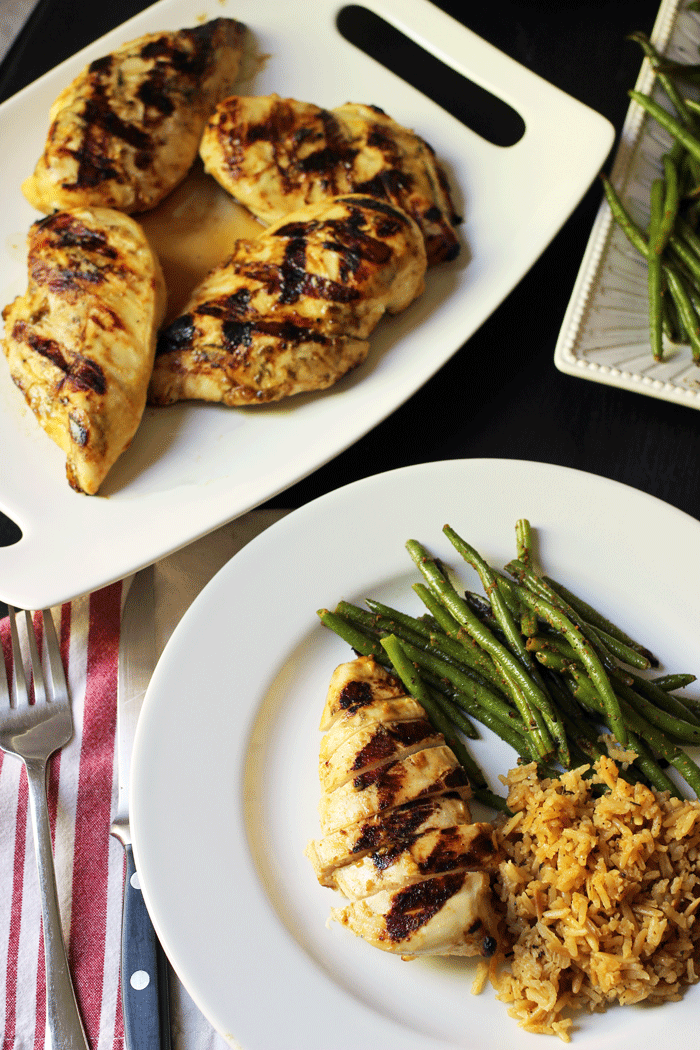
[670, 244]
[534, 663]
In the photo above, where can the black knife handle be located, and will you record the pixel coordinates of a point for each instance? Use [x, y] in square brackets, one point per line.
[145, 1001]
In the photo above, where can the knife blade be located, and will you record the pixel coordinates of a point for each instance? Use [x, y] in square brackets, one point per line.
[144, 968]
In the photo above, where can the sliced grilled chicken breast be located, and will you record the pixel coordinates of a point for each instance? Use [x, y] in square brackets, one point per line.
[397, 838]
[127, 129]
[449, 914]
[80, 342]
[367, 718]
[374, 746]
[461, 847]
[291, 311]
[383, 831]
[275, 155]
[355, 692]
[431, 771]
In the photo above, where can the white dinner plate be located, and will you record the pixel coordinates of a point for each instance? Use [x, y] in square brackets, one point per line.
[191, 466]
[225, 783]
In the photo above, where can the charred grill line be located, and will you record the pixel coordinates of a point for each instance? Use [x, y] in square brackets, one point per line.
[416, 905]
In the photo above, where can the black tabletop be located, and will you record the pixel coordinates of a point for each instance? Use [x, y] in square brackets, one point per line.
[501, 394]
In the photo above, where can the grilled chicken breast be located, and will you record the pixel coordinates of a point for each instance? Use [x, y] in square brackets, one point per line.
[397, 837]
[276, 155]
[80, 342]
[291, 311]
[127, 129]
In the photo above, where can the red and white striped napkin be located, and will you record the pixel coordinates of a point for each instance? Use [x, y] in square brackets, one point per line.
[82, 793]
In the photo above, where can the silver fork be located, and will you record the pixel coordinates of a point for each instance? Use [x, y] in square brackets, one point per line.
[32, 732]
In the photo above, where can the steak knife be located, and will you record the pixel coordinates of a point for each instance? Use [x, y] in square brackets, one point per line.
[144, 968]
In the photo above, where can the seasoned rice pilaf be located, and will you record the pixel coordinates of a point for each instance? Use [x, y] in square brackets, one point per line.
[600, 882]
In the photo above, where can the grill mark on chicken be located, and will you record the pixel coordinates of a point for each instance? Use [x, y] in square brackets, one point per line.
[388, 741]
[390, 780]
[82, 374]
[447, 854]
[177, 336]
[337, 154]
[70, 232]
[399, 825]
[355, 695]
[416, 905]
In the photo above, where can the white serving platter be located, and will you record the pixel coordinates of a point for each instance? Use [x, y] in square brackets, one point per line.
[605, 333]
[225, 788]
[193, 467]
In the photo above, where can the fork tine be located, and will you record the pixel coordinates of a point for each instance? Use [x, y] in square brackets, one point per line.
[20, 682]
[57, 674]
[37, 670]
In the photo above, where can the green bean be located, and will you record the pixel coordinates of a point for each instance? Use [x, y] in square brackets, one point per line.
[554, 661]
[621, 650]
[454, 714]
[679, 729]
[676, 129]
[673, 329]
[443, 589]
[650, 767]
[670, 682]
[681, 70]
[688, 234]
[671, 202]
[686, 311]
[474, 656]
[592, 616]
[654, 270]
[355, 638]
[624, 219]
[586, 653]
[523, 539]
[498, 603]
[417, 688]
[687, 314]
[685, 254]
[674, 705]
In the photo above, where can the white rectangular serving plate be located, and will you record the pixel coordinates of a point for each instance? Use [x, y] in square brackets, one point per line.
[193, 467]
[605, 333]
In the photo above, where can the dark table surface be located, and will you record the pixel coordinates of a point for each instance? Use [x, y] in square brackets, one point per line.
[501, 394]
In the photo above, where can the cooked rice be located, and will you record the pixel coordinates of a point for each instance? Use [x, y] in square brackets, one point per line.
[600, 892]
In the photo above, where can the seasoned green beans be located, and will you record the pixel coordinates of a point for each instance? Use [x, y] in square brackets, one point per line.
[544, 670]
[669, 244]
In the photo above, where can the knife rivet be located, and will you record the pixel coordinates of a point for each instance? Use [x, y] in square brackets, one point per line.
[135, 881]
[139, 980]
